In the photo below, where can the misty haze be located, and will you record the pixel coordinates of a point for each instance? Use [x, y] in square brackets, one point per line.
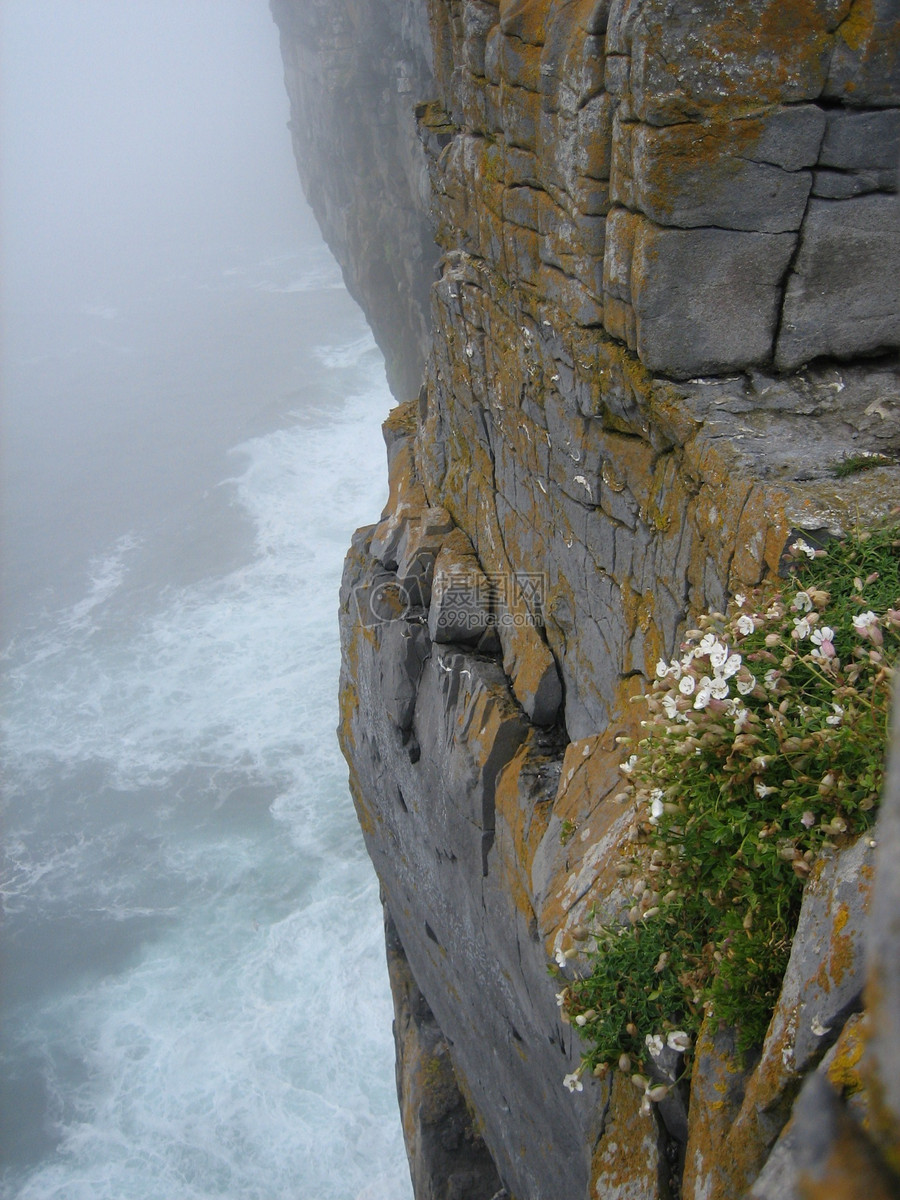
[191, 412]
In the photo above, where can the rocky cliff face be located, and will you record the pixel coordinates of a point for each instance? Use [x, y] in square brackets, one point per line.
[667, 241]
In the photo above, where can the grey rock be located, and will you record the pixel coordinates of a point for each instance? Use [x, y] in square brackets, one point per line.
[448, 1158]
[461, 598]
[742, 174]
[826, 971]
[706, 300]
[841, 185]
[823, 1153]
[883, 950]
[862, 141]
[865, 64]
[404, 648]
[842, 296]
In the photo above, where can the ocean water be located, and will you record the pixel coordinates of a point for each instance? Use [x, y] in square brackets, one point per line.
[195, 1000]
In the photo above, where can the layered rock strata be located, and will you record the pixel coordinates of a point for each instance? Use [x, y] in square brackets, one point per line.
[666, 308]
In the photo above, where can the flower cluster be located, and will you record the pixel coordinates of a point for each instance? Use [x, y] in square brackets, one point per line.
[762, 749]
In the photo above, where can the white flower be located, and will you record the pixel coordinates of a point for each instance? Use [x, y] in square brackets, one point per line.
[745, 624]
[731, 666]
[561, 997]
[718, 656]
[654, 1044]
[746, 686]
[719, 688]
[561, 958]
[707, 643]
[704, 694]
[679, 1040]
[670, 704]
[662, 669]
[805, 548]
[573, 1082]
[822, 633]
[864, 621]
[628, 765]
[740, 600]
[836, 717]
[687, 685]
[762, 790]
[802, 602]
[808, 820]
[771, 677]
[657, 808]
[801, 628]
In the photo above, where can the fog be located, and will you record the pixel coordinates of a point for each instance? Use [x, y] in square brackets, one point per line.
[131, 130]
[191, 412]
[140, 142]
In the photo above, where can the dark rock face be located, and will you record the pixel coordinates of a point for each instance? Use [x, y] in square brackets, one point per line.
[665, 307]
[354, 73]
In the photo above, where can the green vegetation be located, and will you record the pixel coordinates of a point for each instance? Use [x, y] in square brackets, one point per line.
[854, 463]
[763, 749]
[566, 829]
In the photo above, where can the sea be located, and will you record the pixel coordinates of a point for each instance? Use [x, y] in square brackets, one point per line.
[194, 993]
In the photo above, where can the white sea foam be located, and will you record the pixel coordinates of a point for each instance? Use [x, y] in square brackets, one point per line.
[235, 1040]
[346, 355]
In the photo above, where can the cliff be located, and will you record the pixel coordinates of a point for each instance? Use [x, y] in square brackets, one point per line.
[633, 265]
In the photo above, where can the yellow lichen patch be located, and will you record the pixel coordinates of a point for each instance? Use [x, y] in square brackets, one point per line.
[717, 1082]
[626, 1161]
[525, 19]
[843, 1065]
[857, 30]
[587, 863]
[520, 824]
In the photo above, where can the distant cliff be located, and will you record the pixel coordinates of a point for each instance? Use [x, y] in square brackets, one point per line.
[633, 265]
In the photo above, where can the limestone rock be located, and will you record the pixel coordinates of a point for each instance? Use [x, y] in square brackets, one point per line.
[664, 311]
[841, 296]
[882, 1070]
[448, 1159]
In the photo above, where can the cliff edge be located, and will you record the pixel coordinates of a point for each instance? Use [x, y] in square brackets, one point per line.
[633, 265]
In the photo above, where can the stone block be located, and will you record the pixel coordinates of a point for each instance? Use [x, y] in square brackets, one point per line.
[743, 174]
[706, 300]
[593, 151]
[520, 207]
[761, 52]
[460, 596]
[823, 1153]
[862, 141]
[525, 20]
[842, 185]
[717, 1089]
[842, 295]
[621, 229]
[520, 64]
[479, 19]
[883, 951]
[822, 986]
[404, 648]
[629, 1162]
[520, 110]
[865, 63]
